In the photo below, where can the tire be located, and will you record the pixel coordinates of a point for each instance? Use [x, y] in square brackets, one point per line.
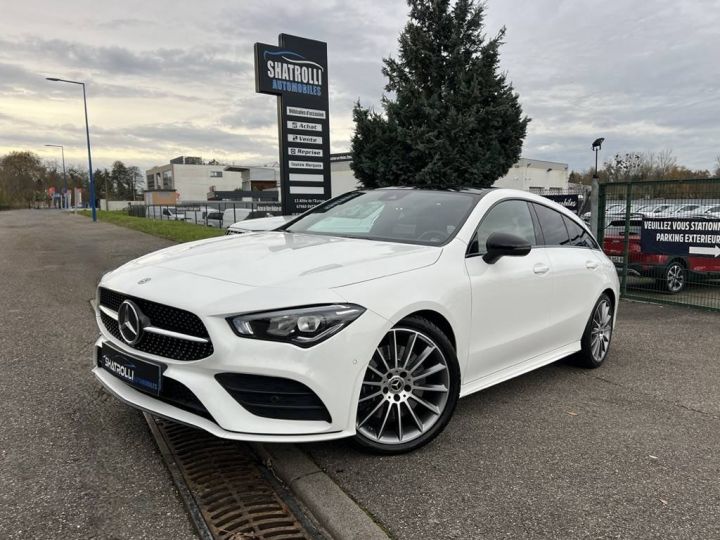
[674, 277]
[597, 336]
[407, 397]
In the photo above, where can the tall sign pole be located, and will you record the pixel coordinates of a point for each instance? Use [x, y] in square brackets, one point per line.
[296, 71]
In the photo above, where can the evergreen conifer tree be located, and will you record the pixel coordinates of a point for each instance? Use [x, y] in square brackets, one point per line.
[450, 118]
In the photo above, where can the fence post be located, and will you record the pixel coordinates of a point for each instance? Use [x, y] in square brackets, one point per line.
[626, 238]
[594, 210]
[599, 217]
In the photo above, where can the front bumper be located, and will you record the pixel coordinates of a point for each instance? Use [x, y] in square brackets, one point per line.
[333, 370]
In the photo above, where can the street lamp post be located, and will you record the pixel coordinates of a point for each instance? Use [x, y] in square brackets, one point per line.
[595, 205]
[62, 150]
[596, 146]
[87, 133]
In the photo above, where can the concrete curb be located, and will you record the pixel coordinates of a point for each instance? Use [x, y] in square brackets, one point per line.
[334, 510]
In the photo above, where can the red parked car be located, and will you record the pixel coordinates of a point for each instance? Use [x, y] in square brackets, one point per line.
[672, 272]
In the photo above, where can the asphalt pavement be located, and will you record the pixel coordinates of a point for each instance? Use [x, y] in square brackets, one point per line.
[74, 463]
[629, 450]
[626, 451]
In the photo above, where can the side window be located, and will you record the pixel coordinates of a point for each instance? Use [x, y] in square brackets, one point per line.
[511, 217]
[552, 225]
[578, 236]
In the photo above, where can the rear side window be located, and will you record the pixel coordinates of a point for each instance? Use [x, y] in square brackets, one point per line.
[578, 236]
[552, 225]
[511, 217]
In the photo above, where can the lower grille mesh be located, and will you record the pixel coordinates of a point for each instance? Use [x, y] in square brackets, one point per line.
[274, 397]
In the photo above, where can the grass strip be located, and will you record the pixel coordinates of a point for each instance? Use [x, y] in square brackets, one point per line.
[179, 231]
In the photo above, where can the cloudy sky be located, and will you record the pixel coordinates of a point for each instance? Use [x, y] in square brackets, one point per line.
[168, 77]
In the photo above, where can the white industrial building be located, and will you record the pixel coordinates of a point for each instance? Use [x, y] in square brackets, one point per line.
[342, 178]
[536, 175]
[192, 179]
[527, 174]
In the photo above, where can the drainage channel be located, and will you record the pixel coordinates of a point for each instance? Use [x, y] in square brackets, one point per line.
[229, 494]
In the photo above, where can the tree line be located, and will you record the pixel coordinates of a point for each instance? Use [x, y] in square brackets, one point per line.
[27, 180]
[643, 167]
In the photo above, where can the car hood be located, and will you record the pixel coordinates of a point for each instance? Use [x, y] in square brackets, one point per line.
[261, 224]
[280, 259]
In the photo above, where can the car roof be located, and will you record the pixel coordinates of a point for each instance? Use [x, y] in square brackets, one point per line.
[469, 190]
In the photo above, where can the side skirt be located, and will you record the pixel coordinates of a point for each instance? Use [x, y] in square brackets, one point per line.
[518, 369]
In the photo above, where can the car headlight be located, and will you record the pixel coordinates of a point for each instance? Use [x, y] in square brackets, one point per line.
[301, 326]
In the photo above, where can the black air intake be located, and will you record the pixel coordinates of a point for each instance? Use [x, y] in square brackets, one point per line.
[274, 397]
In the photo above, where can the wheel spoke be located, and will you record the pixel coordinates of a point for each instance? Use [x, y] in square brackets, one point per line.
[372, 383]
[382, 426]
[399, 420]
[408, 350]
[431, 388]
[422, 357]
[606, 317]
[375, 371]
[430, 371]
[418, 423]
[370, 396]
[425, 404]
[371, 413]
[395, 349]
[382, 357]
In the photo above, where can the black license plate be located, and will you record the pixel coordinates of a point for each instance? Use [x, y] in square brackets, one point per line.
[143, 375]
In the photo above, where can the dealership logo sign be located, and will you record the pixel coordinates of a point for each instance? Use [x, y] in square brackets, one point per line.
[125, 371]
[292, 72]
[295, 71]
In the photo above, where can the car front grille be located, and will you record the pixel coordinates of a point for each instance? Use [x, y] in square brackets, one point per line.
[163, 317]
[274, 397]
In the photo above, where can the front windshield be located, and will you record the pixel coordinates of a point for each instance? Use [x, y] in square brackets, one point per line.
[396, 215]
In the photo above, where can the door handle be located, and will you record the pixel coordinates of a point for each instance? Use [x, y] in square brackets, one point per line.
[541, 268]
[591, 265]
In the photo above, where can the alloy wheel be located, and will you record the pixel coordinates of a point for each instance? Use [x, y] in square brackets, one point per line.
[601, 330]
[405, 389]
[675, 277]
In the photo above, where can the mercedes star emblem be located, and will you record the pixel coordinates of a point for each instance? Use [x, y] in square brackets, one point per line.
[130, 322]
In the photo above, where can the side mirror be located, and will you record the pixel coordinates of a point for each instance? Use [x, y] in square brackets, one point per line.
[501, 244]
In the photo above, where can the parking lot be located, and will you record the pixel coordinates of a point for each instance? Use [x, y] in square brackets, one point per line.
[626, 451]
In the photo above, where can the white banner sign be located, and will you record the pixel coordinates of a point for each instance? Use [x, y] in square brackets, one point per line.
[307, 126]
[304, 152]
[316, 165]
[307, 190]
[307, 139]
[304, 177]
[306, 113]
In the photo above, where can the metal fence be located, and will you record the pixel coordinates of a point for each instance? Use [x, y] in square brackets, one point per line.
[220, 214]
[664, 238]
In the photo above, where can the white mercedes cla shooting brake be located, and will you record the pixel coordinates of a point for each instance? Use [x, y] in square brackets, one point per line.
[368, 316]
